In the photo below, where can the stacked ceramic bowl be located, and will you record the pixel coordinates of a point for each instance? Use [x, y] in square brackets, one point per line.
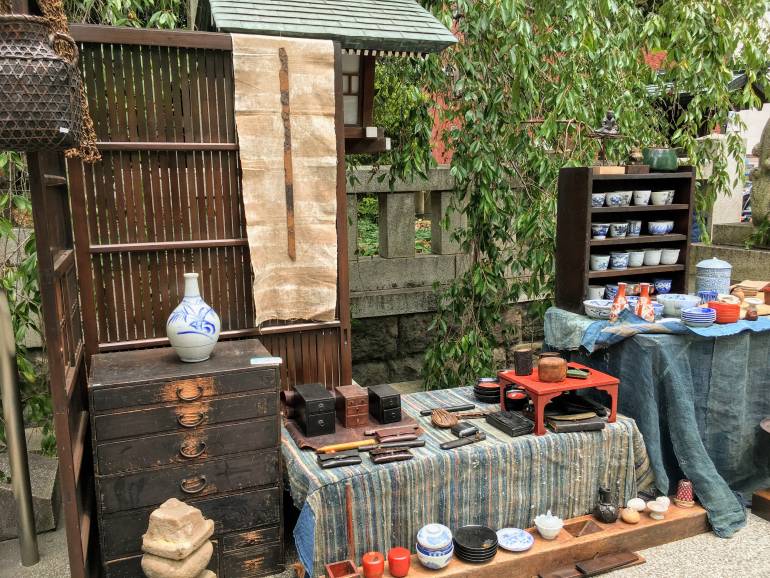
[475, 544]
[674, 303]
[699, 316]
[434, 546]
[487, 390]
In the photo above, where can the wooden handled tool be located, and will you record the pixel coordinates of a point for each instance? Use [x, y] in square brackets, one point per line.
[346, 446]
[463, 407]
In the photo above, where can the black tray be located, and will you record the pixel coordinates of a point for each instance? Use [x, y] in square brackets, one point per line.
[510, 422]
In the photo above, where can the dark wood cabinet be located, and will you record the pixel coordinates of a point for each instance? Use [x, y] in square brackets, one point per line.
[206, 433]
[575, 214]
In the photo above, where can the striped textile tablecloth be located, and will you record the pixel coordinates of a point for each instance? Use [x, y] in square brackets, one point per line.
[500, 482]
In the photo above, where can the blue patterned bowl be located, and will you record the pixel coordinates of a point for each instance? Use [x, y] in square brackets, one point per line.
[614, 199]
[434, 561]
[662, 286]
[660, 227]
[618, 229]
[599, 230]
[599, 262]
[434, 537]
[619, 260]
[597, 308]
[597, 199]
[438, 552]
[610, 291]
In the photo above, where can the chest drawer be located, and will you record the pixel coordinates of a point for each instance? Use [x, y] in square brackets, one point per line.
[121, 533]
[140, 489]
[187, 447]
[250, 562]
[184, 416]
[250, 538]
[131, 567]
[184, 390]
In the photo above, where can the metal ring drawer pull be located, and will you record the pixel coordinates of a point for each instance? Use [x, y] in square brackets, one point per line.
[193, 485]
[191, 419]
[189, 451]
[191, 398]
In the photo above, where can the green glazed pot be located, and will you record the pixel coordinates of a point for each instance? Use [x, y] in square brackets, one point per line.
[660, 159]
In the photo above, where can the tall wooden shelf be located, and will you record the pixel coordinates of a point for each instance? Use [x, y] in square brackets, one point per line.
[574, 245]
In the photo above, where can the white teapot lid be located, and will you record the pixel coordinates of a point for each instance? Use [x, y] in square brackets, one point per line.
[713, 263]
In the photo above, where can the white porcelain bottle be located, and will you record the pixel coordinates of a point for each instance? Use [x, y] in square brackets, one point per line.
[193, 327]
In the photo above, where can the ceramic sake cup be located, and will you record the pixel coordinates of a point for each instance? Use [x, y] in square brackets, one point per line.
[618, 229]
[626, 196]
[659, 197]
[597, 199]
[619, 260]
[642, 197]
[634, 228]
[599, 230]
[595, 292]
[652, 256]
[662, 286]
[669, 256]
[636, 258]
[599, 262]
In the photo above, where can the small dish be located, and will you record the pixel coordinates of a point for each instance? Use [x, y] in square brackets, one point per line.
[515, 539]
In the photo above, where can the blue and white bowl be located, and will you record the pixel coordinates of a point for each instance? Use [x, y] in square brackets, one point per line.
[660, 227]
[634, 228]
[434, 560]
[434, 537]
[642, 197]
[614, 199]
[662, 286]
[610, 291]
[599, 262]
[515, 539]
[619, 260]
[673, 303]
[597, 308]
[706, 296]
[597, 199]
[627, 196]
[599, 230]
[438, 552]
[618, 229]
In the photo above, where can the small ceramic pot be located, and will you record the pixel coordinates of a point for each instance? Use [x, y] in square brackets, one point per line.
[662, 286]
[669, 256]
[685, 497]
[599, 262]
[516, 400]
[551, 367]
[597, 199]
[614, 199]
[610, 291]
[659, 197]
[373, 564]
[635, 258]
[599, 230]
[652, 256]
[434, 537]
[636, 504]
[660, 159]
[642, 197]
[713, 275]
[595, 292]
[619, 260]
[634, 228]
[618, 229]
[399, 560]
[548, 525]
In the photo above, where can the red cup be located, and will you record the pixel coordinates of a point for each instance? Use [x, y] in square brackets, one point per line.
[374, 564]
[398, 562]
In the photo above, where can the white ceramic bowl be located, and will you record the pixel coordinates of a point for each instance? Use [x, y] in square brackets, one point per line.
[669, 256]
[595, 292]
[549, 531]
[599, 262]
[627, 196]
[673, 303]
[635, 258]
[597, 308]
[642, 197]
[659, 197]
[434, 561]
[652, 256]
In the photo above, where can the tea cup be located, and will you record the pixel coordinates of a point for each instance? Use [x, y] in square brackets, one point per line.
[618, 229]
[599, 262]
[652, 256]
[669, 256]
[636, 258]
[599, 230]
[595, 292]
[619, 260]
[634, 228]
[659, 197]
[597, 199]
[642, 197]
[614, 199]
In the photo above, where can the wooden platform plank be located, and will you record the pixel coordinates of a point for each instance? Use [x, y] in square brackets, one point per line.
[548, 555]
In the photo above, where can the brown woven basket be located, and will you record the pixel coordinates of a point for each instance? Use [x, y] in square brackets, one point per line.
[39, 89]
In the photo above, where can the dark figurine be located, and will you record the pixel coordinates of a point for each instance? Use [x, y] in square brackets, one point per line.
[609, 125]
[606, 511]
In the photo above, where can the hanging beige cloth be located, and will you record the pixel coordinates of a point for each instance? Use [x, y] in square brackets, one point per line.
[304, 288]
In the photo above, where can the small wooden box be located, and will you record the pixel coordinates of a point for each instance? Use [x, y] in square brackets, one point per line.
[385, 403]
[315, 409]
[352, 405]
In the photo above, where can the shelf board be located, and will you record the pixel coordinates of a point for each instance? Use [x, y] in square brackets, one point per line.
[641, 208]
[635, 271]
[640, 240]
[645, 176]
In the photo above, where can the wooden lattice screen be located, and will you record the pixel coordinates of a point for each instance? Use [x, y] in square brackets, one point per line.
[166, 198]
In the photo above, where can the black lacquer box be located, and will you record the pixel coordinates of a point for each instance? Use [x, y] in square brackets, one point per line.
[384, 403]
[315, 409]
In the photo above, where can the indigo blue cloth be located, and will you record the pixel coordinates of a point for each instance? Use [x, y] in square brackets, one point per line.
[697, 400]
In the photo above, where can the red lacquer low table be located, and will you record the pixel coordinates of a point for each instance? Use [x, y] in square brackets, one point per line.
[542, 392]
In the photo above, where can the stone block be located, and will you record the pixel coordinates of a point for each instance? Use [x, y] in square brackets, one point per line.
[176, 530]
[191, 567]
[374, 339]
[405, 368]
[46, 497]
[413, 334]
[732, 234]
[386, 302]
[396, 225]
[376, 273]
[371, 181]
[370, 373]
[441, 241]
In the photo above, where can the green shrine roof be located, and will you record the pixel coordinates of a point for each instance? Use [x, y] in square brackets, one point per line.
[374, 25]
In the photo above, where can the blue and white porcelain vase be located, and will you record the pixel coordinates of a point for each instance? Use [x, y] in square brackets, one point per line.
[193, 327]
[713, 275]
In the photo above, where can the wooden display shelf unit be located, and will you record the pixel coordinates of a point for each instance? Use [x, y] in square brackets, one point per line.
[574, 244]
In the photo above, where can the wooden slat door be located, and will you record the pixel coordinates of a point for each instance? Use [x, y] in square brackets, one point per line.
[63, 338]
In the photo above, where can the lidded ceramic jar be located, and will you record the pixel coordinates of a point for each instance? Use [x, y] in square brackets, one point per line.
[551, 367]
[713, 275]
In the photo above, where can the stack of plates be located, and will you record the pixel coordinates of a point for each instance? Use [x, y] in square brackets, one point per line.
[475, 544]
[487, 390]
[699, 316]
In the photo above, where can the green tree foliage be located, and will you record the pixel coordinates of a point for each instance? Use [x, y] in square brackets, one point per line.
[134, 13]
[522, 87]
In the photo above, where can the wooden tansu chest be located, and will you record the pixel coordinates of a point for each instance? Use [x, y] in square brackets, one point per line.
[205, 433]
